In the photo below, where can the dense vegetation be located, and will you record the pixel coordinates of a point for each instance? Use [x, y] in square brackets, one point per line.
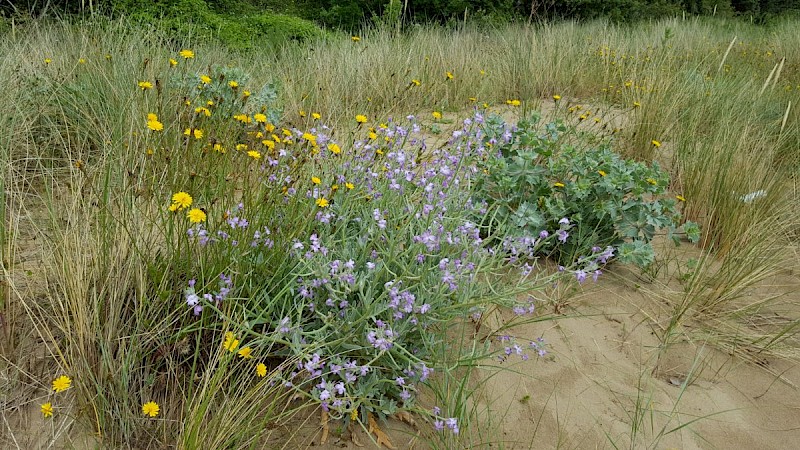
[254, 23]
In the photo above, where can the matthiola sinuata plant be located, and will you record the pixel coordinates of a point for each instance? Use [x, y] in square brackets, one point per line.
[356, 260]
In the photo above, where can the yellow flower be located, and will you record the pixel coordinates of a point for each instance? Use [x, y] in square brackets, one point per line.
[245, 94]
[48, 60]
[652, 181]
[203, 110]
[316, 180]
[301, 113]
[145, 85]
[150, 409]
[437, 115]
[473, 99]
[180, 200]
[81, 61]
[322, 202]
[245, 352]
[61, 383]
[155, 125]
[680, 198]
[513, 102]
[316, 116]
[187, 54]
[416, 82]
[261, 370]
[355, 38]
[558, 184]
[310, 138]
[233, 84]
[334, 148]
[219, 148]
[361, 118]
[244, 118]
[602, 173]
[231, 343]
[482, 72]
[241, 147]
[556, 97]
[636, 104]
[205, 79]
[173, 62]
[269, 144]
[655, 143]
[349, 185]
[254, 154]
[47, 409]
[196, 215]
[196, 132]
[373, 135]
[260, 118]
[448, 75]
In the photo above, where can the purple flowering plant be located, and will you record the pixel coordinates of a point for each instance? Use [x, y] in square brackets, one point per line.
[361, 290]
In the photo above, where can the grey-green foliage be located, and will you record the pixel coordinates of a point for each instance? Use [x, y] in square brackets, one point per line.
[537, 177]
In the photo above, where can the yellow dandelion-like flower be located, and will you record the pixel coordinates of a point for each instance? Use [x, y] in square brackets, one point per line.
[316, 116]
[196, 215]
[145, 85]
[230, 343]
[636, 104]
[334, 148]
[82, 61]
[150, 409]
[349, 185]
[155, 125]
[651, 181]
[241, 147]
[269, 144]
[514, 102]
[173, 62]
[181, 200]
[361, 118]
[47, 409]
[48, 60]
[437, 115]
[246, 94]
[655, 143]
[260, 118]
[245, 352]
[203, 110]
[233, 84]
[219, 148]
[205, 79]
[254, 154]
[473, 99]
[373, 135]
[316, 180]
[556, 97]
[62, 383]
[680, 198]
[448, 75]
[602, 173]
[355, 38]
[322, 202]
[310, 138]
[558, 184]
[261, 370]
[187, 54]
[416, 82]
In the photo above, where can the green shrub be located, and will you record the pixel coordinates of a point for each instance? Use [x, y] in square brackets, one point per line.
[538, 179]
